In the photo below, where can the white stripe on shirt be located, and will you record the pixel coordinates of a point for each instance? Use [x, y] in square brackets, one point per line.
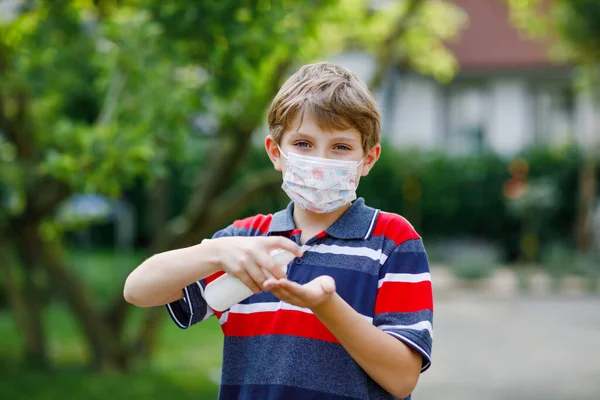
[267, 307]
[408, 278]
[419, 326]
[347, 251]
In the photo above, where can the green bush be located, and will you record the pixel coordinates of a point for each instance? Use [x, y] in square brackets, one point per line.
[468, 259]
[442, 196]
[560, 260]
[445, 196]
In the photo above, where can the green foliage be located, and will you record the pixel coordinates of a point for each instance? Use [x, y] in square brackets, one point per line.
[473, 263]
[102, 97]
[435, 191]
[423, 46]
[560, 260]
[99, 96]
[185, 363]
[83, 385]
[107, 89]
[575, 27]
[461, 197]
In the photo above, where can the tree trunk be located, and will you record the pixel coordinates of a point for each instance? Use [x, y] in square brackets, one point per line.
[222, 212]
[27, 308]
[158, 216]
[385, 52]
[587, 198]
[228, 206]
[106, 351]
[587, 185]
[159, 207]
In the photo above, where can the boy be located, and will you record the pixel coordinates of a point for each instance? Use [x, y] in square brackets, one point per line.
[353, 317]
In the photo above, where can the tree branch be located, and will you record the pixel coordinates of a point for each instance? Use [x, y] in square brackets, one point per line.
[223, 165]
[229, 205]
[104, 344]
[224, 209]
[115, 88]
[27, 310]
[385, 57]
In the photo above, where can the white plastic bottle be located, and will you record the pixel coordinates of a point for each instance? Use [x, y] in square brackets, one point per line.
[227, 290]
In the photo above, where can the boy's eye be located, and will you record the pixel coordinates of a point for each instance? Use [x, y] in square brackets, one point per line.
[341, 147]
[302, 144]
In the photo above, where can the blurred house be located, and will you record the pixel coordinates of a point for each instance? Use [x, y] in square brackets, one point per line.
[8, 9]
[508, 94]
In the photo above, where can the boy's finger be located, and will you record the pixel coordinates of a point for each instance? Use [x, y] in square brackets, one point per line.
[269, 266]
[285, 244]
[270, 283]
[249, 282]
[292, 286]
[285, 295]
[256, 274]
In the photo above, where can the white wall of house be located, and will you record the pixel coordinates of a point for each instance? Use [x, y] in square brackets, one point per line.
[429, 115]
[587, 121]
[416, 112]
[511, 125]
[510, 113]
[8, 9]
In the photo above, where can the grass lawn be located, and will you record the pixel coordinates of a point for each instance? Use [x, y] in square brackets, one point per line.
[186, 365]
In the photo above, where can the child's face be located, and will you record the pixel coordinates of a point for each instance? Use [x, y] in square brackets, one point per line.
[305, 137]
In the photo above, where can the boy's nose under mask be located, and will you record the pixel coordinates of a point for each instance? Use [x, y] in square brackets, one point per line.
[317, 184]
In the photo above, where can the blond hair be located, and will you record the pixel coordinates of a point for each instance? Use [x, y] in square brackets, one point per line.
[332, 95]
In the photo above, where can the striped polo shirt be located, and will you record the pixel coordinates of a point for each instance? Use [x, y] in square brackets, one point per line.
[275, 350]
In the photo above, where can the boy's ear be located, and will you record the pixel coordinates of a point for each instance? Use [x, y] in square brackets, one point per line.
[273, 152]
[370, 159]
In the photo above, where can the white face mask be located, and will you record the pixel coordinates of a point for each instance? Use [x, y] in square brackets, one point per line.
[319, 185]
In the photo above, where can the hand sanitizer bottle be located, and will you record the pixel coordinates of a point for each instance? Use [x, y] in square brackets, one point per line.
[227, 290]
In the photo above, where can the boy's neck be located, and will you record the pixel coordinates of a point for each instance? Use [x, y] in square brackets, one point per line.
[311, 223]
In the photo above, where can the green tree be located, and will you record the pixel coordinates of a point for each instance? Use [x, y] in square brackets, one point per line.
[97, 94]
[574, 25]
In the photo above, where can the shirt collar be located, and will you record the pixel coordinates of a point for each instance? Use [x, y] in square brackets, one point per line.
[356, 223]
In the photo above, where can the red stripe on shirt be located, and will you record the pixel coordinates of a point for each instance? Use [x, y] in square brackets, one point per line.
[321, 235]
[282, 322]
[259, 222]
[214, 276]
[404, 297]
[394, 227]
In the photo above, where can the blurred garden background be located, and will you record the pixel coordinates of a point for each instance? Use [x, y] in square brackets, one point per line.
[129, 127]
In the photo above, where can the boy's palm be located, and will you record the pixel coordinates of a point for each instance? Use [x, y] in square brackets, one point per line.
[309, 295]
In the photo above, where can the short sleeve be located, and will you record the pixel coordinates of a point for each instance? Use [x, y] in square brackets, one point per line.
[192, 308]
[404, 303]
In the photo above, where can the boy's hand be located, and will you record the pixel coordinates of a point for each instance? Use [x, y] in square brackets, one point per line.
[309, 295]
[244, 257]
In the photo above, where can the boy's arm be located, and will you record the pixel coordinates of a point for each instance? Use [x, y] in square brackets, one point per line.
[396, 347]
[388, 361]
[161, 278]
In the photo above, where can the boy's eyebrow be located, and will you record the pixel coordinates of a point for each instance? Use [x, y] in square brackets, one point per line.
[343, 138]
[336, 138]
[302, 134]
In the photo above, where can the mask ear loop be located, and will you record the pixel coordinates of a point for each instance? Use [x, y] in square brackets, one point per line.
[281, 152]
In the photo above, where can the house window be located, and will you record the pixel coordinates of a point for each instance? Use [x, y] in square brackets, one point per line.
[468, 110]
[554, 109]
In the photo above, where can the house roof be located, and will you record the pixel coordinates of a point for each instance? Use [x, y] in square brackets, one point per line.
[491, 42]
